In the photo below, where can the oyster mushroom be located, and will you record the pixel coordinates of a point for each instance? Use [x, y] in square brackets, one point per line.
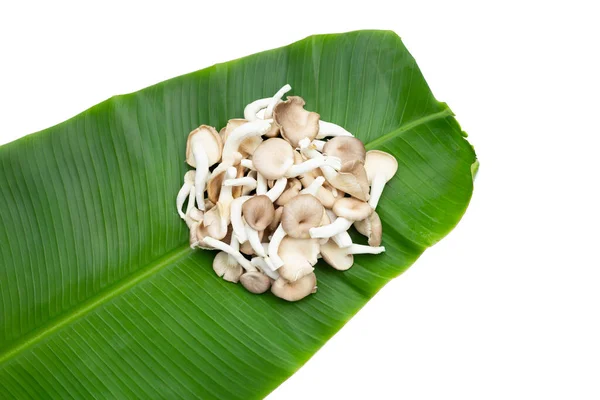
[188, 184]
[380, 167]
[275, 192]
[255, 282]
[226, 266]
[342, 239]
[295, 123]
[217, 244]
[294, 291]
[299, 256]
[293, 187]
[252, 109]
[204, 149]
[301, 214]
[248, 145]
[371, 228]
[272, 158]
[264, 267]
[346, 148]
[343, 258]
[348, 210]
[237, 223]
[275, 100]
[258, 212]
[217, 218]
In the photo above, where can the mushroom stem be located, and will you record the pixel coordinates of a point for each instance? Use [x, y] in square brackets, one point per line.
[316, 162]
[362, 249]
[261, 184]
[188, 184]
[319, 144]
[261, 264]
[254, 240]
[343, 240]
[277, 189]
[236, 218]
[314, 186]
[276, 99]
[377, 186]
[245, 181]
[253, 108]
[226, 195]
[327, 129]
[326, 231]
[247, 164]
[217, 244]
[201, 172]
[276, 239]
[235, 245]
[328, 172]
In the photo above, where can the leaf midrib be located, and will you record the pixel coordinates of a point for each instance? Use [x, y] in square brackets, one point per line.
[104, 296]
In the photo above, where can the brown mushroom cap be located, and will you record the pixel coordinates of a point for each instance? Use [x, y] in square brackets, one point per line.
[273, 157]
[352, 209]
[352, 179]
[258, 212]
[294, 291]
[213, 187]
[255, 282]
[300, 214]
[323, 194]
[346, 148]
[211, 143]
[226, 269]
[335, 256]
[295, 123]
[299, 256]
[380, 162]
[371, 228]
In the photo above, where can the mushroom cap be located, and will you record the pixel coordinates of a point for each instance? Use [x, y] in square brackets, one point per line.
[293, 187]
[335, 256]
[295, 123]
[258, 212]
[216, 221]
[255, 282]
[371, 228]
[346, 148]
[299, 256]
[380, 163]
[300, 214]
[213, 187]
[352, 179]
[352, 209]
[294, 291]
[273, 157]
[227, 268]
[210, 141]
[324, 195]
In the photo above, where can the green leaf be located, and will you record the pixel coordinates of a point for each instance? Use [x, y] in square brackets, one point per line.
[100, 295]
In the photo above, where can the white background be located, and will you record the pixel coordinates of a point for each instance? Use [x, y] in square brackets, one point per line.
[508, 305]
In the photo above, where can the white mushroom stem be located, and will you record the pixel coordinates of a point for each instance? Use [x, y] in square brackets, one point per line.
[189, 220]
[343, 240]
[362, 249]
[245, 181]
[277, 189]
[276, 99]
[201, 171]
[326, 231]
[261, 184]
[188, 184]
[314, 186]
[237, 222]
[316, 162]
[253, 108]
[235, 245]
[261, 264]
[247, 164]
[254, 240]
[276, 239]
[217, 244]
[377, 185]
[319, 144]
[327, 129]
[328, 172]
[226, 196]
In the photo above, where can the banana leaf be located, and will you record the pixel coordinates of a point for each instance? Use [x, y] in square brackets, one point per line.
[100, 294]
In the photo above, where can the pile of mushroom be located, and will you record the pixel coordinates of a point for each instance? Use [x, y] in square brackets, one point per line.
[273, 195]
